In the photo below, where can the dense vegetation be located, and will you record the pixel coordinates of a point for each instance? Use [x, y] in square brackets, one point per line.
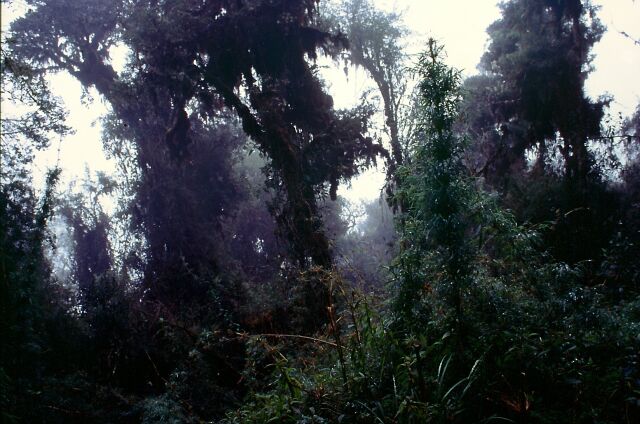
[496, 280]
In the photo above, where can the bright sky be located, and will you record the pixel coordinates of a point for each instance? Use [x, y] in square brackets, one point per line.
[459, 24]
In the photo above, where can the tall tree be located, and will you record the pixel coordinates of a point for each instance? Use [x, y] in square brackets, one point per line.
[538, 59]
[534, 124]
[84, 215]
[435, 248]
[260, 46]
[376, 44]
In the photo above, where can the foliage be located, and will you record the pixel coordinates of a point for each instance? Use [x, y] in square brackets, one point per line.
[28, 319]
[43, 115]
[539, 59]
[228, 286]
[376, 44]
[437, 197]
[537, 135]
[484, 327]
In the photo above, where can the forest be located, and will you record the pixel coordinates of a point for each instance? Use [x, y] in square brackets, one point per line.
[221, 276]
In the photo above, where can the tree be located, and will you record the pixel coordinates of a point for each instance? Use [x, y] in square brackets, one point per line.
[84, 215]
[435, 249]
[537, 61]
[26, 303]
[376, 45]
[231, 44]
[533, 124]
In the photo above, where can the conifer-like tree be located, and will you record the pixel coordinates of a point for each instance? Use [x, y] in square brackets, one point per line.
[435, 253]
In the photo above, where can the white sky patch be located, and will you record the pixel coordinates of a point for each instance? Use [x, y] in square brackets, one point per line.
[617, 58]
[83, 149]
[460, 25]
